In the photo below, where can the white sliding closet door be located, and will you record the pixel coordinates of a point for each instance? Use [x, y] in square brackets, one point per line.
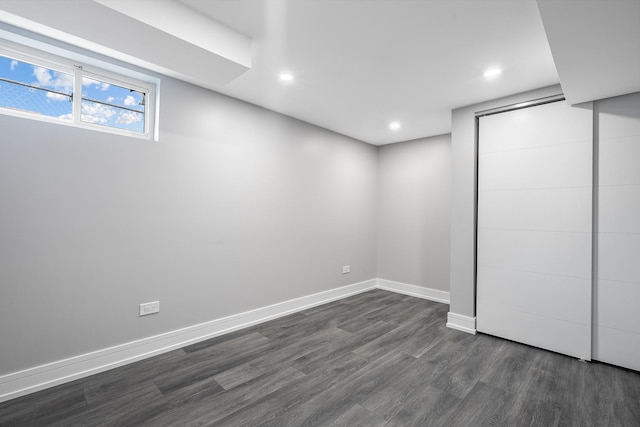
[617, 309]
[535, 227]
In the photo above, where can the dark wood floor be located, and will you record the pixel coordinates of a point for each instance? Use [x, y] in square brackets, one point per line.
[374, 359]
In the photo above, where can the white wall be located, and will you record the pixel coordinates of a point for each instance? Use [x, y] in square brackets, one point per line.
[234, 208]
[414, 212]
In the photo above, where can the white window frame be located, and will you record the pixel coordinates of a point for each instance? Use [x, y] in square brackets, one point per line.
[80, 69]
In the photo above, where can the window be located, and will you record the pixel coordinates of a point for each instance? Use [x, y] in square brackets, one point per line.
[45, 87]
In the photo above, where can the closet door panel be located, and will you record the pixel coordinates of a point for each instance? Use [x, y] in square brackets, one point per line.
[618, 346]
[548, 252]
[508, 135]
[525, 291]
[616, 315]
[553, 334]
[519, 210]
[618, 161]
[621, 299]
[535, 227]
[543, 167]
[620, 208]
[619, 258]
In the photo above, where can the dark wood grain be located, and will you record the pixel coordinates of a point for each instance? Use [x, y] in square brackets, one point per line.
[430, 407]
[357, 416]
[373, 359]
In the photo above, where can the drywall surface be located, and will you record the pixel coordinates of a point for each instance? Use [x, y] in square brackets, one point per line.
[234, 208]
[464, 196]
[414, 214]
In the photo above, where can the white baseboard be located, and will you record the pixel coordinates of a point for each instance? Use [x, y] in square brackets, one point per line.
[20, 383]
[461, 323]
[414, 291]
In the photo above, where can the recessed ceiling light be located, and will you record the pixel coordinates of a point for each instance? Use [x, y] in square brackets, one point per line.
[394, 125]
[287, 77]
[490, 73]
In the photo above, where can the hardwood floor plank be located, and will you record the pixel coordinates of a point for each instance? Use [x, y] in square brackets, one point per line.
[377, 296]
[485, 405]
[271, 360]
[357, 323]
[357, 416]
[428, 407]
[512, 363]
[221, 338]
[626, 407]
[424, 337]
[386, 401]
[462, 374]
[125, 379]
[534, 413]
[330, 403]
[273, 406]
[200, 408]
[355, 313]
[301, 326]
[392, 340]
[131, 408]
[326, 354]
[200, 365]
[47, 406]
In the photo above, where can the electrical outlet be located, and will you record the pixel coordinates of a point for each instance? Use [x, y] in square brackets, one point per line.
[149, 308]
[346, 269]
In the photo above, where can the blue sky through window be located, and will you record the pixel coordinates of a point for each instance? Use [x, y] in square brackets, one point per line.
[111, 105]
[43, 91]
[52, 102]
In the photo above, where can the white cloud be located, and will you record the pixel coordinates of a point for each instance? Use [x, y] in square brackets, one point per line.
[110, 99]
[92, 112]
[128, 117]
[57, 97]
[53, 79]
[68, 116]
[94, 119]
[130, 100]
[86, 81]
[99, 110]
[14, 64]
[43, 76]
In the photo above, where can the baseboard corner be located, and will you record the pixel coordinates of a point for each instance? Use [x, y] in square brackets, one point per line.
[461, 323]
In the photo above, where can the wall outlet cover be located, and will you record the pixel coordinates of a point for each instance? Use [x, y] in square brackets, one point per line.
[149, 308]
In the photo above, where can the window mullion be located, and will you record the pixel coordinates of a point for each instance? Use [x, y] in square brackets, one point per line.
[77, 94]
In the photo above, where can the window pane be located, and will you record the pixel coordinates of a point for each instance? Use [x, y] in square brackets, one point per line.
[113, 106]
[35, 89]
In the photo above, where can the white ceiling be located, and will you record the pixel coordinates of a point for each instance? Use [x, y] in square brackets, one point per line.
[359, 64]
